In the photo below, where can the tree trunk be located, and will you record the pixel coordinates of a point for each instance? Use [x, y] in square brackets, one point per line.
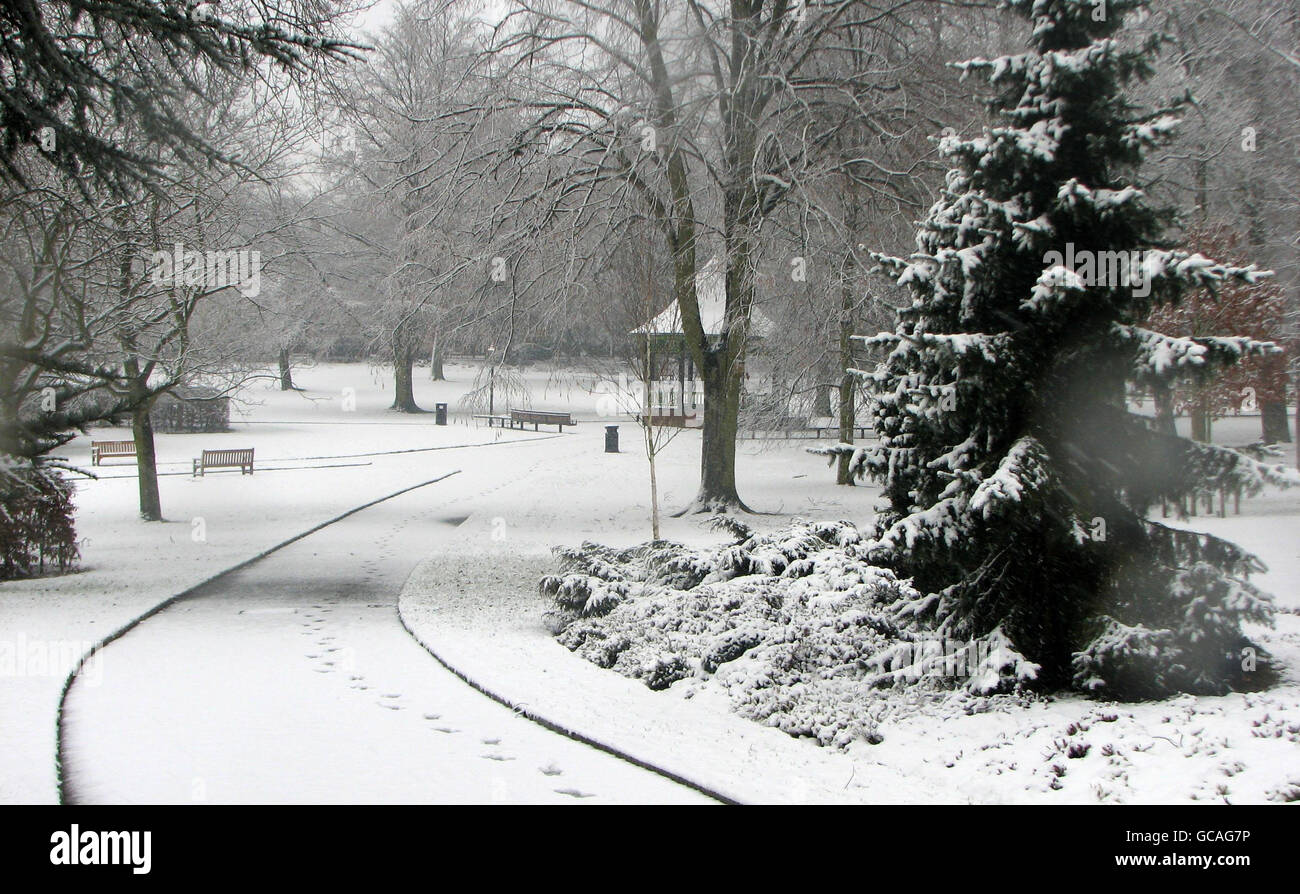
[403, 364]
[718, 451]
[681, 376]
[1163, 396]
[146, 462]
[286, 371]
[648, 431]
[1273, 420]
[1272, 405]
[1201, 423]
[654, 498]
[848, 399]
[435, 361]
[848, 387]
[822, 400]
[848, 421]
[848, 383]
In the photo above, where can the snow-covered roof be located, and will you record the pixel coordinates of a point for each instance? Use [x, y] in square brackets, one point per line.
[711, 291]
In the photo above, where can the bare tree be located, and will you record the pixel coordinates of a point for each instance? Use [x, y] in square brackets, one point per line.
[401, 110]
[706, 117]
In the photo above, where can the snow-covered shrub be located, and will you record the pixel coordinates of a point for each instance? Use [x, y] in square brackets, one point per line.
[797, 626]
[36, 520]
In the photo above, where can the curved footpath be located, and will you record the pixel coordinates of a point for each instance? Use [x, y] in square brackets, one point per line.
[292, 680]
[479, 613]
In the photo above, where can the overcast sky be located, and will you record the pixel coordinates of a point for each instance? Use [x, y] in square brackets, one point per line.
[377, 16]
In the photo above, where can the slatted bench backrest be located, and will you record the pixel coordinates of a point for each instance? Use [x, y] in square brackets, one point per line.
[215, 458]
[540, 416]
[108, 448]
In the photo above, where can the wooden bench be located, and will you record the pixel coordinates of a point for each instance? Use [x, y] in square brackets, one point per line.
[101, 449]
[539, 417]
[519, 418]
[225, 459]
[671, 419]
[794, 427]
[826, 426]
[504, 420]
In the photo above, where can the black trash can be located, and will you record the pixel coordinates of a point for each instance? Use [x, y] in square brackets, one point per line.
[440, 414]
[611, 439]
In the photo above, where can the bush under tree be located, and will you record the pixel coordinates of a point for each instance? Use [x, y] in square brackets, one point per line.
[36, 524]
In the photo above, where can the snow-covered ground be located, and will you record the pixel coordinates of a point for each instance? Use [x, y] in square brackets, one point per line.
[212, 523]
[292, 681]
[477, 606]
[486, 535]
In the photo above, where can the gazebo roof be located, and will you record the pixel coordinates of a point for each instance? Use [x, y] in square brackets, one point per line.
[711, 291]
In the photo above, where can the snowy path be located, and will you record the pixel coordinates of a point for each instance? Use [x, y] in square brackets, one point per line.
[293, 681]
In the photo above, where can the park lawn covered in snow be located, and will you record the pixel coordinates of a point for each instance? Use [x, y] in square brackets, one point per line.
[475, 602]
[212, 523]
[478, 609]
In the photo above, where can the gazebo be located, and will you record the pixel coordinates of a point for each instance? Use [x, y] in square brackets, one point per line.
[667, 339]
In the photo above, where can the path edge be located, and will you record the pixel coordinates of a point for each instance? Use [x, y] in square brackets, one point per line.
[555, 727]
[61, 784]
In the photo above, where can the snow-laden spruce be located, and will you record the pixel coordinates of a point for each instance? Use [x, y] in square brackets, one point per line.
[1017, 484]
[798, 626]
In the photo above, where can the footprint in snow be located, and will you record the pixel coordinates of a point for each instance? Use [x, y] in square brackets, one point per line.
[494, 741]
[432, 716]
[390, 706]
[550, 770]
[574, 793]
[392, 695]
[495, 757]
[445, 729]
